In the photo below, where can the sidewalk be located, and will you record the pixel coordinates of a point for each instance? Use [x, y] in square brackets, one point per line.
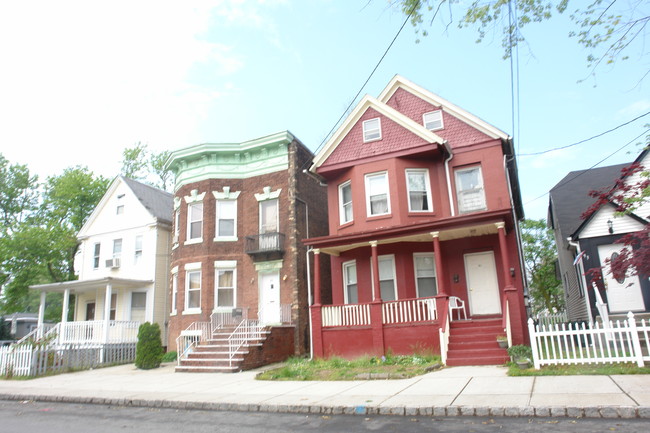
[452, 391]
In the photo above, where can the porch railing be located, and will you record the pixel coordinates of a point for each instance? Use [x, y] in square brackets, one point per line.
[191, 337]
[346, 315]
[219, 319]
[95, 331]
[409, 310]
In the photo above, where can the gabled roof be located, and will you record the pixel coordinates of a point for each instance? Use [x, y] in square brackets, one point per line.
[569, 198]
[158, 203]
[401, 82]
[363, 105]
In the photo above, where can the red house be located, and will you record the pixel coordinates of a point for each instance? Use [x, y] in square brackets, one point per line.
[424, 211]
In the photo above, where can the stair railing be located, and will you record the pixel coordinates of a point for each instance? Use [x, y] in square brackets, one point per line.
[246, 331]
[444, 332]
[191, 337]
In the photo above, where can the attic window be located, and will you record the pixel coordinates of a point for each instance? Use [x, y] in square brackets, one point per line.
[120, 209]
[371, 130]
[432, 120]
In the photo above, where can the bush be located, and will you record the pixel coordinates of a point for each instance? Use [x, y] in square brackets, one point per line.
[149, 351]
[170, 356]
[520, 352]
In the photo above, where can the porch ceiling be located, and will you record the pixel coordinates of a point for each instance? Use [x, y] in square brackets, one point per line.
[444, 235]
[80, 286]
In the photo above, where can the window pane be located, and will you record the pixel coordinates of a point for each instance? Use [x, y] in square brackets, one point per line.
[195, 280]
[117, 246]
[138, 300]
[353, 296]
[194, 300]
[387, 290]
[346, 192]
[427, 287]
[195, 230]
[225, 298]
[269, 216]
[417, 181]
[226, 228]
[468, 179]
[226, 209]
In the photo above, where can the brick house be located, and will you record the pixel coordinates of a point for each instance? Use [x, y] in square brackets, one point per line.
[424, 211]
[238, 264]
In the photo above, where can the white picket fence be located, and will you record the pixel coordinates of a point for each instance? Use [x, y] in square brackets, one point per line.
[35, 360]
[611, 342]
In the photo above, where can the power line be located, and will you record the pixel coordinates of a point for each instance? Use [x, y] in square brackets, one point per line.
[369, 77]
[593, 166]
[586, 139]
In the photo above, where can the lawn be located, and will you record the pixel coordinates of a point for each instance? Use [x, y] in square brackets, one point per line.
[385, 367]
[582, 369]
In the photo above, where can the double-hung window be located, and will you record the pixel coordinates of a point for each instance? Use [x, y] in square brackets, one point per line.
[269, 239]
[350, 282]
[387, 284]
[96, 249]
[469, 190]
[195, 221]
[138, 249]
[345, 202]
[371, 130]
[226, 219]
[225, 287]
[377, 197]
[174, 289]
[432, 120]
[419, 191]
[425, 275]
[177, 225]
[193, 291]
[117, 248]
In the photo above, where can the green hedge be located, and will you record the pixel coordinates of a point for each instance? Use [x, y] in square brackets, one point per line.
[149, 350]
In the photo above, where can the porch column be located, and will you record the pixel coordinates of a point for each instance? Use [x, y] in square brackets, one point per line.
[66, 306]
[107, 311]
[376, 314]
[41, 315]
[512, 295]
[440, 277]
[376, 294]
[317, 277]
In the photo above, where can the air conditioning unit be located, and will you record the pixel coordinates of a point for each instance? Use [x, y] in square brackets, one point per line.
[113, 263]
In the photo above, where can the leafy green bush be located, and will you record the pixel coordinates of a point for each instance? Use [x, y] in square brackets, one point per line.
[149, 351]
[170, 356]
[520, 352]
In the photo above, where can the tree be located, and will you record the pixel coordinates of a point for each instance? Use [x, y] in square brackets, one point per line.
[148, 351]
[140, 163]
[606, 28]
[539, 257]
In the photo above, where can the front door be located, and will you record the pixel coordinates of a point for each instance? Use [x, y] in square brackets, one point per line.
[269, 298]
[482, 283]
[90, 311]
[623, 292]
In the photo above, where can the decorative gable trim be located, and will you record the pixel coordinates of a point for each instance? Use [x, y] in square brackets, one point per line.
[226, 194]
[268, 194]
[194, 196]
[401, 82]
[363, 105]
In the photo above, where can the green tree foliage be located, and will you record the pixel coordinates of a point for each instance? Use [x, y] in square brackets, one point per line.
[149, 351]
[141, 164]
[606, 28]
[39, 241]
[546, 291]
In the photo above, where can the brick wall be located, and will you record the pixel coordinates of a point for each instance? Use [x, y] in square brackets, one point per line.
[277, 347]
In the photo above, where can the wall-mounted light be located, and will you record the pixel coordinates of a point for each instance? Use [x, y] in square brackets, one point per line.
[456, 278]
[610, 226]
[512, 272]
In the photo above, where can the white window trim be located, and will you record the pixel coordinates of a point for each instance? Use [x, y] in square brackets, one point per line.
[198, 240]
[218, 238]
[97, 257]
[344, 266]
[367, 193]
[365, 122]
[372, 275]
[415, 270]
[482, 187]
[191, 269]
[225, 265]
[174, 272]
[427, 184]
[341, 204]
[424, 120]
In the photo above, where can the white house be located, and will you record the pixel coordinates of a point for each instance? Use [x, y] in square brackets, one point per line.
[123, 266]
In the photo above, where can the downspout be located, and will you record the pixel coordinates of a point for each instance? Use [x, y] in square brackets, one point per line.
[576, 245]
[449, 192]
[309, 303]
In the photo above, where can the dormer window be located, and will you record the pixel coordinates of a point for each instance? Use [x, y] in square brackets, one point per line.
[371, 130]
[432, 120]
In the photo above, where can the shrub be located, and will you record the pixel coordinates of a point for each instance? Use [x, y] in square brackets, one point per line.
[520, 352]
[149, 351]
[170, 356]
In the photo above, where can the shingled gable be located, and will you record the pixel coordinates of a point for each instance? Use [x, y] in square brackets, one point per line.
[400, 82]
[370, 103]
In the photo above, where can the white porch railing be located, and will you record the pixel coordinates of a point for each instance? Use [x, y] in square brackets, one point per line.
[444, 332]
[191, 337]
[219, 319]
[624, 341]
[346, 315]
[409, 310]
[94, 331]
[246, 331]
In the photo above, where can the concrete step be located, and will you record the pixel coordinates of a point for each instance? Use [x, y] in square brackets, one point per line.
[194, 369]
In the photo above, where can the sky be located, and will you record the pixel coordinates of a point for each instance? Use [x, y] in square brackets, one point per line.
[82, 80]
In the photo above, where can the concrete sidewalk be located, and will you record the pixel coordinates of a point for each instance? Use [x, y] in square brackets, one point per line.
[452, 391]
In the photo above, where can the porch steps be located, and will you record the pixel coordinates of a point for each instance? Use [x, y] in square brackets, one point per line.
[212, 356]
[473, 342]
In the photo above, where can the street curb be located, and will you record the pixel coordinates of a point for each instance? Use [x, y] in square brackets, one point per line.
[610, 412]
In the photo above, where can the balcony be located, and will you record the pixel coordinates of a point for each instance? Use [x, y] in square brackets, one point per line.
[266, 246]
